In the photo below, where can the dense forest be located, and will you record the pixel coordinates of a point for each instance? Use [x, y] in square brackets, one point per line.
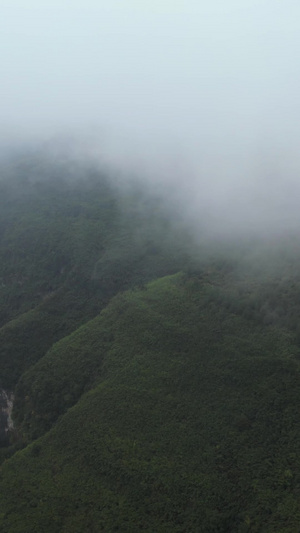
[154, 375]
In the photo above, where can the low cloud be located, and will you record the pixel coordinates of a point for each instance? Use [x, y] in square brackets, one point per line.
[200, 100]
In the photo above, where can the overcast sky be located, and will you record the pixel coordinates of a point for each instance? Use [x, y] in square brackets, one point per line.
[204, 89]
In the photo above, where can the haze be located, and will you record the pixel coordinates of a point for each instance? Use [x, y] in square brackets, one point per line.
[201, 96]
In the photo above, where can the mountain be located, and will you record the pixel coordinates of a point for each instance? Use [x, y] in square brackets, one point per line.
[155, 378]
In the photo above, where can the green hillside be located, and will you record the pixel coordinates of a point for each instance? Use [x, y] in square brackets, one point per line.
[68, 243]
[156, 382]
[190, 424]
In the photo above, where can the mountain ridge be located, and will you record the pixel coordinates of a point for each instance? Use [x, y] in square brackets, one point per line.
[155, 376]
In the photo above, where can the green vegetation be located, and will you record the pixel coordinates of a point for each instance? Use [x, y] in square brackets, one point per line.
[67, 245]
[157, 387]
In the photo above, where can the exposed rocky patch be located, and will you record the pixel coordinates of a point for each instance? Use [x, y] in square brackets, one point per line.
[6, 423]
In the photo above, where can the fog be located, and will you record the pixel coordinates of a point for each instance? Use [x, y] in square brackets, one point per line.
[199, 97]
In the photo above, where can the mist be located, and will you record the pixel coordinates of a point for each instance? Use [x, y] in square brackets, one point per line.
[199, 99]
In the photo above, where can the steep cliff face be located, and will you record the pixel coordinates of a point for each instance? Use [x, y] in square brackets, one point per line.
[6, 423]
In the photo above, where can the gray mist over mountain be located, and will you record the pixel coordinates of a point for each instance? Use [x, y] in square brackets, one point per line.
[199, 98]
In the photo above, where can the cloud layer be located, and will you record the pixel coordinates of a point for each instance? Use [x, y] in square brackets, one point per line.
[201, 96]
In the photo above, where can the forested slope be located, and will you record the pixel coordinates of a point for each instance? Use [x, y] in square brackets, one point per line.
[156, 382]
[68, 243]
[191, 422]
